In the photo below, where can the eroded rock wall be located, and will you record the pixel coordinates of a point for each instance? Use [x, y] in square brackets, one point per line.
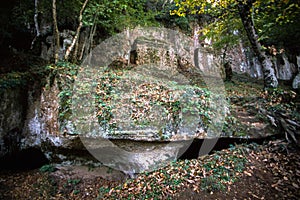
[13, 106]
[243, 61]
[41, 121]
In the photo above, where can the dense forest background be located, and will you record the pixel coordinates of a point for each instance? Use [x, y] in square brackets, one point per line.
[71, 29]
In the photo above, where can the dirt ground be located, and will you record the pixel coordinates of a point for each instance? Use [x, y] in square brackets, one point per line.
[271, 172]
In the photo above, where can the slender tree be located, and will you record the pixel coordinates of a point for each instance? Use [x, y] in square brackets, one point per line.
[267, 65]
[56, 44]
[75, 39]
[36, 22]
[36, 13]
[220, 10]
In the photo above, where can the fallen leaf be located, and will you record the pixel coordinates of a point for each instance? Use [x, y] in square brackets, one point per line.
[247, 173]
[295, 185]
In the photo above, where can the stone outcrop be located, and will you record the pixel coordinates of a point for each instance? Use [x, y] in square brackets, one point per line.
[243, 61]
[296, 81]
[30, 117]
[13, 107]
[285, 70]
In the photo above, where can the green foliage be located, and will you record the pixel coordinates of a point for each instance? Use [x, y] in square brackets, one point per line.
[67, 13]
[74, 181]
[105, 92]
[12, 80]
[17, 79]
[103, 190]
[223, 170]
[45, 187]
[280, 99]
[226, 33]
[210, 173]
[222, 24]
[64, 73]
[174, 21]
[144, 100]
[277, 23]
[47, 168]
[276, 20]
[71, 186]
[114, 16]
[211, 184]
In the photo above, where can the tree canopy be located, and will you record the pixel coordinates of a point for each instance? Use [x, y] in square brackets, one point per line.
[276, 21]
[259, 19]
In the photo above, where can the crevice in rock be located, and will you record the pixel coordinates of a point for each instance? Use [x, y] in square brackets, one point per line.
[31, 158]
[192, 152]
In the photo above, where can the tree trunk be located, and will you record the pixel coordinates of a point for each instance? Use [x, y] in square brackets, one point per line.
[75, 39]
[36, 13]
[89, 39]
[270, 80]
[36, 23]
[56, 44]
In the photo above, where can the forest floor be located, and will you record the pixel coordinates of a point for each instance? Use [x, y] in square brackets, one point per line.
[269, 171]
[246, 171]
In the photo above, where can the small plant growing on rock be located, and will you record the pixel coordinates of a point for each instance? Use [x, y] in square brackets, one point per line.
[47, 168]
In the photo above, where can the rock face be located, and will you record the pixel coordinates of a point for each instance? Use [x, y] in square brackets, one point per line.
[29, 122]
[162, 56]
[244, 62]
[296, 81]
[42, 115]
[285, 70]
[255, 68]
[30, 118]
[12, 113]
